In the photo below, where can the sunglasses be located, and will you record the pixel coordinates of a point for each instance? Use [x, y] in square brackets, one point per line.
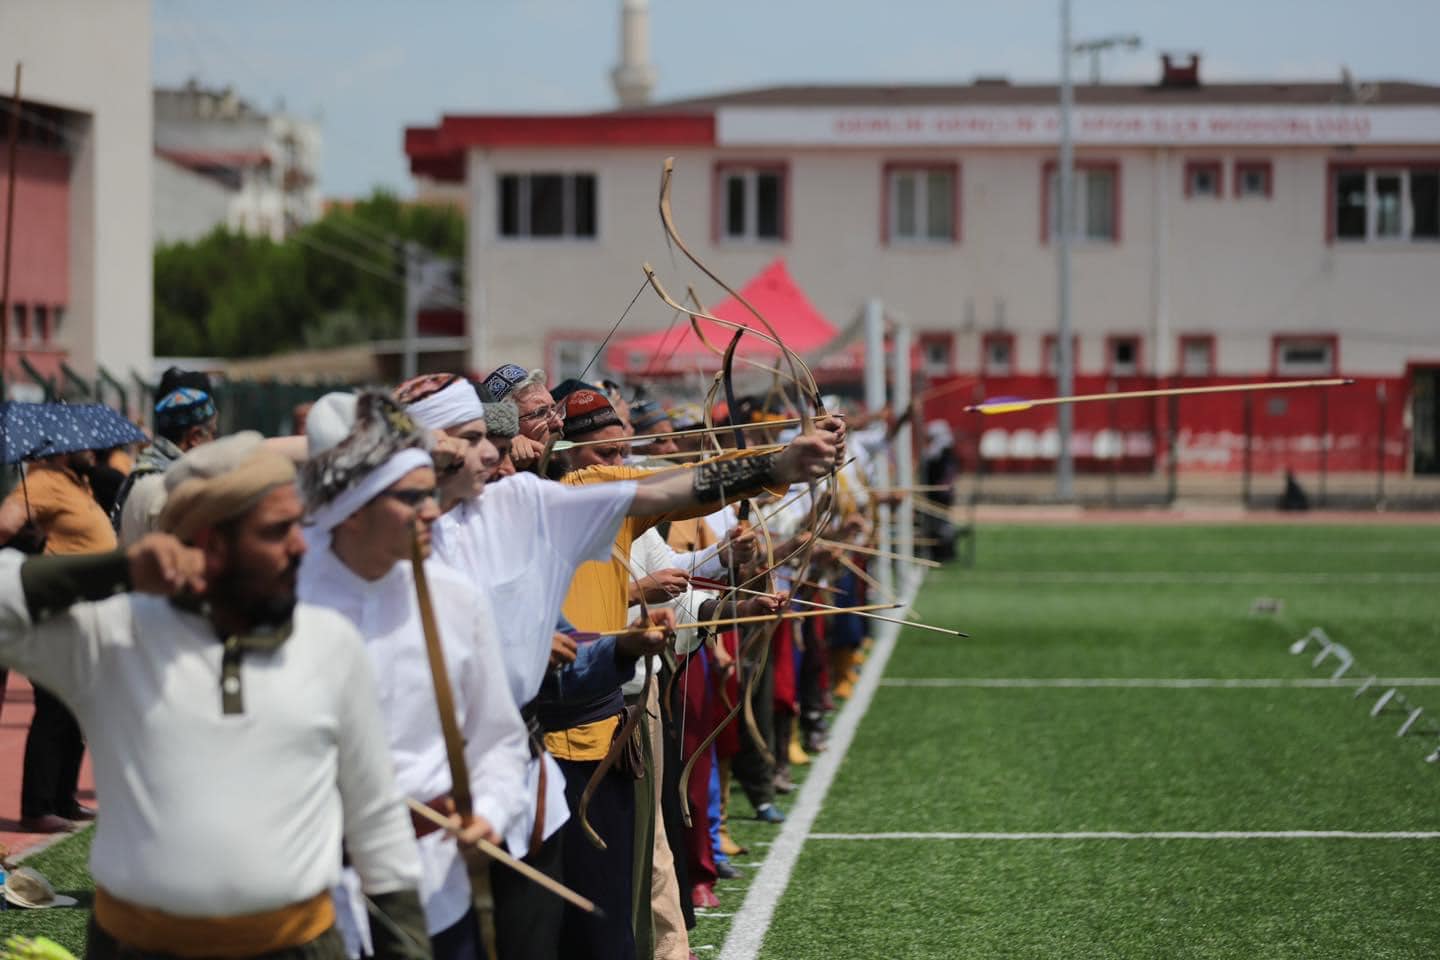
[413, 498]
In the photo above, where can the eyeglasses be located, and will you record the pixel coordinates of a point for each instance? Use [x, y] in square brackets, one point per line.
[413, 498]
[544, 413]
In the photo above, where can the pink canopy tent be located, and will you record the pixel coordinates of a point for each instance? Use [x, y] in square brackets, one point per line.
[678, 350]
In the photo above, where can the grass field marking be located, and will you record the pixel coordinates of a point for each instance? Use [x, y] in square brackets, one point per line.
[1126, 578]
[1154, 683]
[1150, 835]
[752, 920]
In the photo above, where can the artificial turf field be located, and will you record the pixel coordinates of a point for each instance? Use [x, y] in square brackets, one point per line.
[974, 737]
[984, 746]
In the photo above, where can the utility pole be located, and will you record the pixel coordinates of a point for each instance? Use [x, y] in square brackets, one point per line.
[1065, 220]
[409, 362]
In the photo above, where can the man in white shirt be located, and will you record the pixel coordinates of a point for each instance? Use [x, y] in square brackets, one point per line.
[235, 735]
[370, 493]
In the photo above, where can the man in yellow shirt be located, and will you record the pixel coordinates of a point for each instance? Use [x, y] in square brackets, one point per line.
[56, 495]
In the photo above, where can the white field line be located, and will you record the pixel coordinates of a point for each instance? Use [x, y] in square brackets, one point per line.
[1212, 578]
[747, 930]
[1151, 835]
[1157, 683]
[1164, 577]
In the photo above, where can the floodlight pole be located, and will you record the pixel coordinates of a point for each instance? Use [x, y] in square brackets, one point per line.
[1064, 220]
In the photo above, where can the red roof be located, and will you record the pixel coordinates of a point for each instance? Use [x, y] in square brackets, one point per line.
[678, 350]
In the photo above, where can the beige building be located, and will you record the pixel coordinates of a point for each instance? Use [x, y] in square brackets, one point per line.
[83, 198]
[1284, 229]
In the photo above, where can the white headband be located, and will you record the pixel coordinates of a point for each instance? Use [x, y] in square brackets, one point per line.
[329, 516]
[452, 406]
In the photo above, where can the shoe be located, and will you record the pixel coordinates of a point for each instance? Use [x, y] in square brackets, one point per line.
[798, 757]
[702, 897]
[814, 742]
[49, 823]
[769, 813]
[728, 846]
[783, 783]
[80, 812]
[725, 871]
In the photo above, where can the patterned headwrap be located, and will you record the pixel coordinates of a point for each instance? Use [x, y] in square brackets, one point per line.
[646, 415]
[383, 444]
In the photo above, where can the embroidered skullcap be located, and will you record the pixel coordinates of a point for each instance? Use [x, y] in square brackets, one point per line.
[183, 407]
[507, 379]
[218, 481]
[587, 411]
[569, 385]
[646, 415]
[687, 416]
[440, 400]
[502, 419]
[381, 446]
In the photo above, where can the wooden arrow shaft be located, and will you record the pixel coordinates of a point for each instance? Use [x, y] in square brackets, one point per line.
[874, 552]
[681, 434]
[762, 618]
[1014, 406]
[499, 854]
[867, 616]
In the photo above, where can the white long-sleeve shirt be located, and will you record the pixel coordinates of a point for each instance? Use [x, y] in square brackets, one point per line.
[648, 554]
[210, 814]
[519, 542]
[387, 615]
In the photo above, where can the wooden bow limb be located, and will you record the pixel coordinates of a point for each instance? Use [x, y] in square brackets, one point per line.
[1015, 406]
[499, 855]
[867, 616]
[679, 434]
[876, 552]
[925, 505]
[710, 456]
[454, 743]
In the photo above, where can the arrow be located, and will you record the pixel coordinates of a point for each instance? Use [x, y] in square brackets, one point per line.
[1009, 405]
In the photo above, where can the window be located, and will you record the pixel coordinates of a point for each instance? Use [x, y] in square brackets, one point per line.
[1202, 179]
[1253, 178]
[997, 354]
[921, 204]
[1378, 204]
[751, 203]
[547, 205]
[57, 320]
[1095, 204]
[40, 327]
[1122, 356]
[569, 356]
[19, 329]
[1047, 350]
[1197, 355]
[936, 353]
[1304, 355]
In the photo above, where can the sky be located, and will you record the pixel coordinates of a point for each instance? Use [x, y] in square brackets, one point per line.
[366, 69]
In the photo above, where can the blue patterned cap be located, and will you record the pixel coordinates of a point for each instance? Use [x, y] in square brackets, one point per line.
[502, 382]
[184, 407]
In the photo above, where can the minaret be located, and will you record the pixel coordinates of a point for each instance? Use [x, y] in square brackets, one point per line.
[634, 77]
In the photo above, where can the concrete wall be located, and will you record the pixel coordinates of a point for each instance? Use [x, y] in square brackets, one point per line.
[1241, 269]
[93, 56]
[187, 205]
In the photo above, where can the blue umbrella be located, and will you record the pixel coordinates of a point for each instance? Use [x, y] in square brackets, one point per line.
[29, 431]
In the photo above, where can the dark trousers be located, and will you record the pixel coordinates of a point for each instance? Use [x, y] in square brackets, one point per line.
[99, 945]
[460, 941]
[527, 916]
[754, 771]
[675, 829]
[53, 752]
[605, 876]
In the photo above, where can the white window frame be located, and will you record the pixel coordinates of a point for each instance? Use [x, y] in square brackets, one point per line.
[988, 363]
[1266, 173]
[1080, 187]
[1215, 169]
[1372, 207]
[942, 366]
[567, 206]
[1115, 367]
[1208, 367]
[749, 176]
[920, 174]
[1290, 368]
